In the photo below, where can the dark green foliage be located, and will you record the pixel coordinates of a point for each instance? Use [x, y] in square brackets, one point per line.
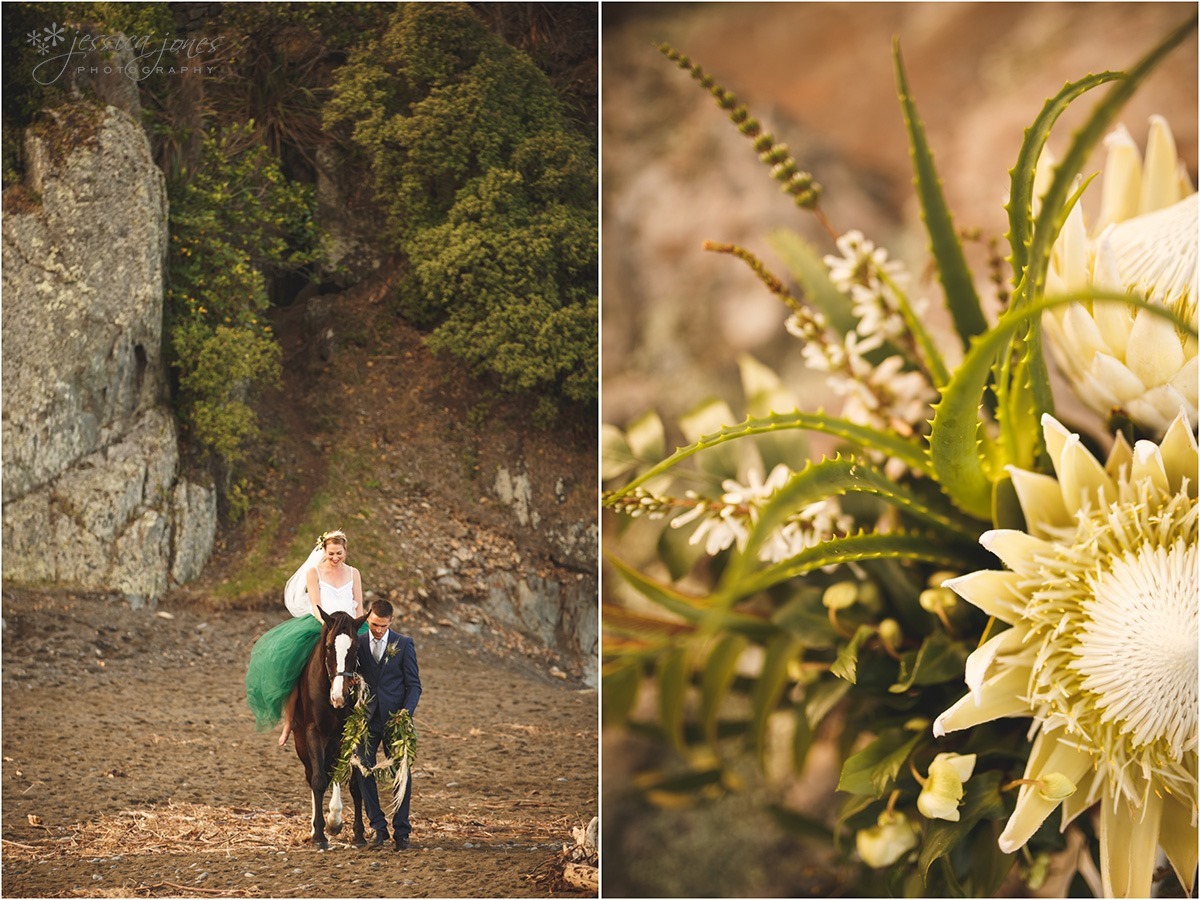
[233, 222]
[563, 39]
[489, 196]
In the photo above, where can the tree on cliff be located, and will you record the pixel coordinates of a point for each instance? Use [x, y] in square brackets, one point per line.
[489, 196]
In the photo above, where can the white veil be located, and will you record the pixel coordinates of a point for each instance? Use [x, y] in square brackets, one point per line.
[295, 592]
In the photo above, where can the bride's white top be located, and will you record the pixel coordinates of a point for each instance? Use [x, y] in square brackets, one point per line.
[332, 599]
[337, 599]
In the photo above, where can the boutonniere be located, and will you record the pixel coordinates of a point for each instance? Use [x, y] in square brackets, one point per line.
[390, 650]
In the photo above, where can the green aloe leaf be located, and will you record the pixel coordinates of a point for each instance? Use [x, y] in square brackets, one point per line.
[872, 770]
[619, 685]
[846, 664]
[957, 446]
[957, 282]
[672, 683]
[857, 548]
[1054, 205]
[719, 672]
[769, 686]
[910, 453]
[691, 609]
[834, 477]
[1020, 198]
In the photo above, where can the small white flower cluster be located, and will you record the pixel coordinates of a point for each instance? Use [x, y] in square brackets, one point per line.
[814, 524]
[865, 274]
[728, 520]
[883, 395]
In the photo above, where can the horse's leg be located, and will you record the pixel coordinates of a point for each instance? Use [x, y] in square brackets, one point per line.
[318, 780]
[302, 751]
[333, 822]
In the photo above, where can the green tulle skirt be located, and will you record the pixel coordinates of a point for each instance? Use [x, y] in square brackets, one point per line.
[276, 661]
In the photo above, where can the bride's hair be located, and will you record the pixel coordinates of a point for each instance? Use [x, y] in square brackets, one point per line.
[337, 536]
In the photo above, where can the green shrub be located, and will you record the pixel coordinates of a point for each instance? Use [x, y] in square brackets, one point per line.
[233, 222]
[490, 197]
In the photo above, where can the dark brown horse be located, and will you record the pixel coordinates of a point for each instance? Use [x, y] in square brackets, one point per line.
[324, 698]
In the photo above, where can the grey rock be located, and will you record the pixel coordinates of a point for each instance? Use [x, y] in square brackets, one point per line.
[558, 612]
[194, 508]
[91, 482]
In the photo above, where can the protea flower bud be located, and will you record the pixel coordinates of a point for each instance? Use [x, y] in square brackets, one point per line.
[1117, 357]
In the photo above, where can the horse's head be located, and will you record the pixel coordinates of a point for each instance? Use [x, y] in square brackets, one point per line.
[339, 642]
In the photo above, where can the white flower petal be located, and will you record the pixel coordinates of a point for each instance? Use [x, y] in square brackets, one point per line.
[1179, 455]
[1121, 185]
[1018, 550]
[962, 764]
[1186, 381]
[1000, 697]
[1049, 754]
[1079, 802]
[1073, 251]
[1117, 379]
[1158, 407]
[1156, 255]
[1127, 844]
[1080, 330]
[1114, 320]
[982, 657]
[1154, 353]
[1082, 478]
[884, 843]
[1160, 186]
[1148, 465]
[1056, 436]
[1041, 500]
[1120, 456]
[996, 593]
[1178, 838]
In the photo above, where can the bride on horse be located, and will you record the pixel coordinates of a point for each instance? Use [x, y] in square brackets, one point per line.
[323, 582]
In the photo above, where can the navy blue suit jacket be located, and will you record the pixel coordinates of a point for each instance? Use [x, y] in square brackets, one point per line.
[395, 680]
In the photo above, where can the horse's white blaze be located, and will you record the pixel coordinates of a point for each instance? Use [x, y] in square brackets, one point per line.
[341, 647]
[334, 822]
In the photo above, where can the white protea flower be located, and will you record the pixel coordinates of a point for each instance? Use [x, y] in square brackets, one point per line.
[1145, 241]
[1100, 594]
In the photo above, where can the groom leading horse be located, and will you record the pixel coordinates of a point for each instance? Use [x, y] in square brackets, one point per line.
[387, 662]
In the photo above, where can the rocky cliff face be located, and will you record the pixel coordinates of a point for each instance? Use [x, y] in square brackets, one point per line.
[93, 496]
[558, 606]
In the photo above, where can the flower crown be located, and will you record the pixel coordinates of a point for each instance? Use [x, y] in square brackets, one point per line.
[325, 536]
